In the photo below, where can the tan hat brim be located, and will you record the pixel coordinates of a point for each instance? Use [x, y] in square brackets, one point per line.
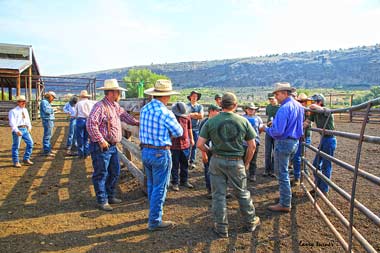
[154, 92]
[291, 89]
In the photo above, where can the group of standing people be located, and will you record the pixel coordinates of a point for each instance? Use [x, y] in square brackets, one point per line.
[169, 139]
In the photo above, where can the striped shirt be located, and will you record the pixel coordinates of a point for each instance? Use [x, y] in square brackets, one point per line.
[106, 114]
[158, 124]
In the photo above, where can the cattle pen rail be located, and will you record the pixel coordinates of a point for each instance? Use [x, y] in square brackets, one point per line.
[354, 203]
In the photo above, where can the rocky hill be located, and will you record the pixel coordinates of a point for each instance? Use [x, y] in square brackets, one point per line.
[357, 67]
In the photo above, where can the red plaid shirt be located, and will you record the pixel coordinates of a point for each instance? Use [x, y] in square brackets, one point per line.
[103, 112]
[183, 142]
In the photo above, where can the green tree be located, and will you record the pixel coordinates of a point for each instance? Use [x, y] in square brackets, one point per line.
[135, 76]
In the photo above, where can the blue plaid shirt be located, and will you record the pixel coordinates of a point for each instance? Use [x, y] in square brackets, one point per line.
[158, 124]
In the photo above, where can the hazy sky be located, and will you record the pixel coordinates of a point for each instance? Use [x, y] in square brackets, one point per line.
[75, 36]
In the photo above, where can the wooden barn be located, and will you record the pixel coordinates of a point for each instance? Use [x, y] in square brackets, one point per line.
[19, 75]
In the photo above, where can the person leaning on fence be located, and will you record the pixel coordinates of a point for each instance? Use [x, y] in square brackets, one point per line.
[213, 110]
[196, 114]
[82, 112]
[157, 126]
[270, 110]
[21, 126]
[250, 114]
[328, 142]
[303, 100]
[47, 116]
[104, 128]
[286, 130]
[227, 131]
[69, 109]
[181, 148]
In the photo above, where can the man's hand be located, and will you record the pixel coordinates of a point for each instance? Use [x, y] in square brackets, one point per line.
[204, 157]
[104, 145]
[19, 133]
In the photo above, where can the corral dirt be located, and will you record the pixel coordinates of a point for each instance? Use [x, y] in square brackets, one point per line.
[50, 207]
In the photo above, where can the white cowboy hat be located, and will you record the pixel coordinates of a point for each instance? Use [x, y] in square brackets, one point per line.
[84, 94]
[52, 93]
[20, 98]
[283, 86]
[111, 84]
[162, 87]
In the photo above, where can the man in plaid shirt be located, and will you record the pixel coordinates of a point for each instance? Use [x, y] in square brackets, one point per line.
[104, 128]
[157, 126]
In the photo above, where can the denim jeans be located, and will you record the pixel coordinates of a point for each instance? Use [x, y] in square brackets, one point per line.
[193, 154]
[16, 144]
[221, 171]
[269, 146]
[253, 163]
[82, 137]
[106, 171]
[207, 174]
[48, 130]
[157, 165]
[71, 135]
[284, 151]
[328, 146]
[297, 159]
[180, 159]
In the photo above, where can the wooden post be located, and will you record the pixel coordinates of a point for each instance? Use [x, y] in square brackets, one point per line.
[18, 87]
[10, 93]
[330, 100]
[30, 84]
[2, 93]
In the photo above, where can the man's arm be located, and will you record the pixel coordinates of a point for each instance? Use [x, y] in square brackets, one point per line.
[201, 144]
[250, 151]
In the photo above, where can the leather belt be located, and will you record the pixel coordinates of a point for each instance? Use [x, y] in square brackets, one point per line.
[232, 158]
[22, 126]
[154, 147]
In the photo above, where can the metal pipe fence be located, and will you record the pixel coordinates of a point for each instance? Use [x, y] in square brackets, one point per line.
[354, 204]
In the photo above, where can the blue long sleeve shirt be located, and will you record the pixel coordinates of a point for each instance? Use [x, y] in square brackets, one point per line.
[46, 110]
[288, 122]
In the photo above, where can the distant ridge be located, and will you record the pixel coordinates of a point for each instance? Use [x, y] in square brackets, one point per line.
[357, 67]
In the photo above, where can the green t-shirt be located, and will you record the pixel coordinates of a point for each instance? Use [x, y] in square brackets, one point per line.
[320, 119]
[271, 111]
[227, 132]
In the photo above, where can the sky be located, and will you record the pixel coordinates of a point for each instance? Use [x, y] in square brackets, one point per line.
[77, 36]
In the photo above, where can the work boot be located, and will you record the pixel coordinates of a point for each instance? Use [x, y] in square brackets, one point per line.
[114, 200]
[296, 182]
[279, 208]
[175, 187]
[220, 234]
[162, 226]
[188, 185]
[105, 207]
[28, 162]
[252, 178]
[17, 165]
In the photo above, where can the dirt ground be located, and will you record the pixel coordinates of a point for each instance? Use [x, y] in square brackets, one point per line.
[50, 207]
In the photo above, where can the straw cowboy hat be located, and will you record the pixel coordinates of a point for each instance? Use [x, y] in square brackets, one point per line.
[194, 92]
[302, 97]
[52, 93]
[84, 94]
[20, 98]
[161, 88]
[250, 106]
[283, 86]
[180, 109]
[111, 84]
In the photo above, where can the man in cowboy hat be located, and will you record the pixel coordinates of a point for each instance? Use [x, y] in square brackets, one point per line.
[286, 130]
[82, 111]
[157, 126]
[196, 114]
[104, 128]
[250, 114]
[270, 110]
[181, 148]
[303, 100]
[69, 108]
[47, 116]
[21, 127]
[328, 142]
[227, 131]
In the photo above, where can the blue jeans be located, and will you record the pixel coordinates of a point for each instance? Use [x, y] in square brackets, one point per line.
[82, 137]
[180, 162]
[71, 136]
[297, 159]
[269, 146]
[48, 130]
[253, 163]
[328, 146]
[193, 154]
[157, 165]
[284, 151]
[16, 144]
[106, 171]
[207, 174]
